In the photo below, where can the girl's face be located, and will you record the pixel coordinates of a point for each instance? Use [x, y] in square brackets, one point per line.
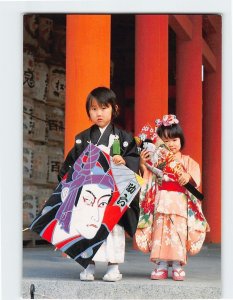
[173, 144]
[100, 114]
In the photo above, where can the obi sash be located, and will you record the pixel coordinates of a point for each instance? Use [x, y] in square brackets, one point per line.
[171, 186]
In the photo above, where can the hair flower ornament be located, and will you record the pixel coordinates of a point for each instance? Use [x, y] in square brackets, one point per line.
[167, 120]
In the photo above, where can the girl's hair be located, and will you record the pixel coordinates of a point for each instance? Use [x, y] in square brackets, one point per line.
[104, 96]
[171, 131]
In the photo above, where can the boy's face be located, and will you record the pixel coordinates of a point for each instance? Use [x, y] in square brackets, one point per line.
[100, 114]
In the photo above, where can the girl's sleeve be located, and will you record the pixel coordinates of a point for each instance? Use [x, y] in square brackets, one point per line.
[193, 169]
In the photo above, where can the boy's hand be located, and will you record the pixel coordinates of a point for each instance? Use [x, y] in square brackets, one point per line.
[184, 178]
[118, 160]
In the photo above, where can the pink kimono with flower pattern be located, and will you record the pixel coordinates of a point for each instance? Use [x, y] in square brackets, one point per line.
[171, 221]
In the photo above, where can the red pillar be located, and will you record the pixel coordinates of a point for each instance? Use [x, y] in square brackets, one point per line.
[151, 68]
[212, 140]
[189, 89]
[87, 66]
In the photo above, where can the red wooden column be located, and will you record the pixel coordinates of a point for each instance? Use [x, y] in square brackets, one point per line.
[151, 68]
[87, 66]
[212, 139]
[189, 89]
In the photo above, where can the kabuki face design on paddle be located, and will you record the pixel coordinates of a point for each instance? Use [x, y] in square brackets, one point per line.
[87, 195]
[87, 204]
[88, 215]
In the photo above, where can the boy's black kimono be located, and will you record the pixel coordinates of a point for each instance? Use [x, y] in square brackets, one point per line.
[128, 151]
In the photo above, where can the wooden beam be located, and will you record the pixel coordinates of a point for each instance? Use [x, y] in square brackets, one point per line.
[182, 26]
[213, 22]
[209, 59]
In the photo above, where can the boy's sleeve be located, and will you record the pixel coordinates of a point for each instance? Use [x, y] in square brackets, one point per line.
[68, 162]
[130, 218]
[70, 158]
[130, 152]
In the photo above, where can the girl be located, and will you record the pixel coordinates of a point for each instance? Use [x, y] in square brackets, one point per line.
[168, 203]
[101, 108]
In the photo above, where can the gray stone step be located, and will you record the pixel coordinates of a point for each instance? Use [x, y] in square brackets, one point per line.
[56, 277]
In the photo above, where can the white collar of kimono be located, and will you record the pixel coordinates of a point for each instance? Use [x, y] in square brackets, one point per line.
[103, 129]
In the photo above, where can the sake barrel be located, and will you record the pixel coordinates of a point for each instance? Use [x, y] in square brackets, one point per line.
[28, 159]
[30, 203]
[28, 73]
[55, 160]
[28, 120]
[55, 123]
[43, 196]
[57, 85]
[41, 73]
[30, 30]
[40, 165]
[39, 132]
[59, 44]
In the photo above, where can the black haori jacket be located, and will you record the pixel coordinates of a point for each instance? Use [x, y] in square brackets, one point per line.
[128, 151]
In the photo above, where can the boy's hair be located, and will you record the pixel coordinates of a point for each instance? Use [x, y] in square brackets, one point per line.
[171, 131]
[104, 96]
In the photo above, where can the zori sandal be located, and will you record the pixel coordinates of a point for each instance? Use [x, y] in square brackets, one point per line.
[158, 274]
[178, 274]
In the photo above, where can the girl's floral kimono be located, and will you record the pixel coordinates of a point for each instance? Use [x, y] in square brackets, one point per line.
[171, 220]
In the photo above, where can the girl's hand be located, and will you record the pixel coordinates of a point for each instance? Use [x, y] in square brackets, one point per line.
[118, 160]
[184, 178]
[144, 156]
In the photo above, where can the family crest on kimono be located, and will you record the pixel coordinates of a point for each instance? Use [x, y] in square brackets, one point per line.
[171, 222]
[102, 109]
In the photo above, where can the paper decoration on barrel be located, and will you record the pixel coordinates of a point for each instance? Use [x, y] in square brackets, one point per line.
[86, 205]
[162, 160]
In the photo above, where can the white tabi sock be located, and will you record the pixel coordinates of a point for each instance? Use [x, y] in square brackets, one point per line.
[176, 265]
[90, 269]
[113, 269]
[162, 265]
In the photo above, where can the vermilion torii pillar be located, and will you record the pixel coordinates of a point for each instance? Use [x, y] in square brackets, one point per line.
[151, 68]
[189, 88]
[212, 142]
[87, 67]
